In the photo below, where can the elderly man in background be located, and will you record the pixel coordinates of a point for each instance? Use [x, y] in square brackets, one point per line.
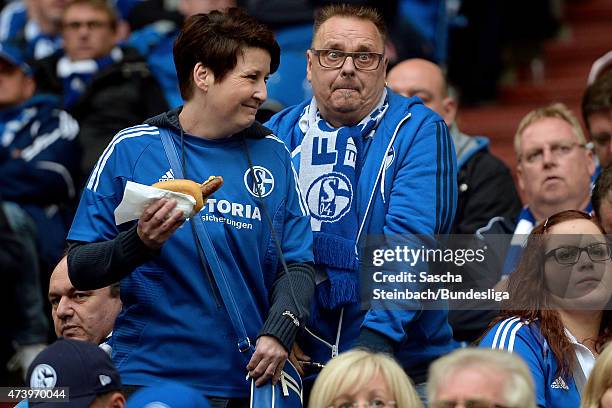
[370, 162]
[554, 170]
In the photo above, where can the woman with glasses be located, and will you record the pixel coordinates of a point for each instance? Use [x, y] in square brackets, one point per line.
[361, 379]
[558, 317]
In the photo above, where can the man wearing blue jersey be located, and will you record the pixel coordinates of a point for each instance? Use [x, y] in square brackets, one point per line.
[173, 325]
[370, 162]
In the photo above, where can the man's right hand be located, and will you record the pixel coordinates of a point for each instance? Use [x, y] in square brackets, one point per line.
[158, 223]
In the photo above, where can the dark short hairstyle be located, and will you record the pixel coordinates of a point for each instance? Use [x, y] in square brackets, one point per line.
[101, 5]
[603, 187]
[349, 10]
[597, 97]
[215, 39]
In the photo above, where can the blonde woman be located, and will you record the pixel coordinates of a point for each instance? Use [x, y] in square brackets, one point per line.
[598, 390]
[359, 378]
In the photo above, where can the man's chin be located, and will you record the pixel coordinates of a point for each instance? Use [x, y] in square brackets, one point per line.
[75, 334]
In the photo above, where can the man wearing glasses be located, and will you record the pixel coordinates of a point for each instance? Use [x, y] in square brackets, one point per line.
[106, 88]
[370, 163]
[554, 171]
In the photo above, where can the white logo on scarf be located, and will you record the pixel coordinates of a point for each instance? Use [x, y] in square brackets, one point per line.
[329, 197]
[259, 177]
[43, 376]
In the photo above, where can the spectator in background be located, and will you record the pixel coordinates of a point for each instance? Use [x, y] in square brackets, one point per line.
[105, 87]
[485, 184]
[601, 199]
[597, 115]
[156, 40]
[87, 315]
[598, 390]
[370, 162]
[557, 319]
[359, 378]
[480, 378]
[33, 26]
[86, 371]
[554, 170]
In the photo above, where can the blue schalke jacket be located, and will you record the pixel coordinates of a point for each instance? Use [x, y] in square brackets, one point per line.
[407, 186]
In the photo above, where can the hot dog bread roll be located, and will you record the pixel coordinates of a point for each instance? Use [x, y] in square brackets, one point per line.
[188, 187]
[199, 192]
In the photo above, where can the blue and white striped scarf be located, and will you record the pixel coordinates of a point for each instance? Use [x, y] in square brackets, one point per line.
[330, 163]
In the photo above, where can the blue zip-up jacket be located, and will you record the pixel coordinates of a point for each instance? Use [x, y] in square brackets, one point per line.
[407, 186]
[173, 324]
[525, 339]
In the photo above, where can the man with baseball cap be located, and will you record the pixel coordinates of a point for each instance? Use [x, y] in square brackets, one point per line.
[84, 369]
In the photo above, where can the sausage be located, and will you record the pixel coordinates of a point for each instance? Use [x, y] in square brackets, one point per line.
[211, 185]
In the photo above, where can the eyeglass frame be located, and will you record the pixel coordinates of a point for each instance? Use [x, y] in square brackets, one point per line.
[553, 148]
[347, 54]
[552, 253]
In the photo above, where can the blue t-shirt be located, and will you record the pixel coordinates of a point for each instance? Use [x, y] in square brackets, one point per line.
[173, 324]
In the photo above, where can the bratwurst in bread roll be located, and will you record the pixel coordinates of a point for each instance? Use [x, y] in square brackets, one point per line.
[199, 192]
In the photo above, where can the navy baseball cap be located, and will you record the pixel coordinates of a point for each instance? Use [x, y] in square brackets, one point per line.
[82, 367]
[14, 56]
[168, 395]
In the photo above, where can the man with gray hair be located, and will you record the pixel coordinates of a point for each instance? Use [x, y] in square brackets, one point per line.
[554, 170]
[480, 378]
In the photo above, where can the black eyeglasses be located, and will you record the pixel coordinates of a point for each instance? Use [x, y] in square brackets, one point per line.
[468, 403]
[569, 255]
[364, 61]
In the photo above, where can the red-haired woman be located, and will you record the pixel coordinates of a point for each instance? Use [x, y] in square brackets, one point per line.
[558, 317]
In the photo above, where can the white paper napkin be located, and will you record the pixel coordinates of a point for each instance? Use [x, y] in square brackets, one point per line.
[137, 197]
